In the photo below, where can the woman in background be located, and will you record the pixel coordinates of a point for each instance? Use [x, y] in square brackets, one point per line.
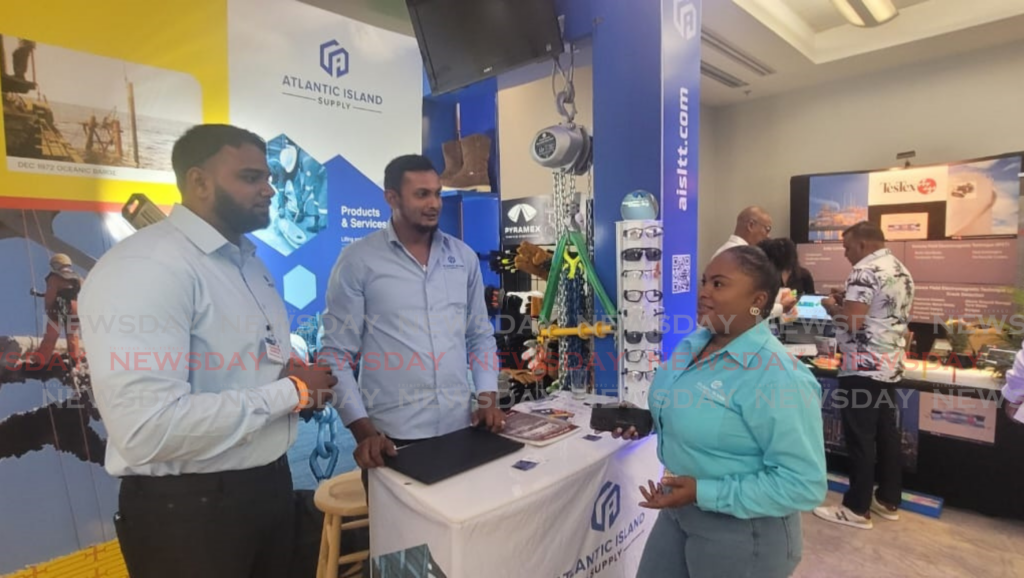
[739, 468]
[783, 255]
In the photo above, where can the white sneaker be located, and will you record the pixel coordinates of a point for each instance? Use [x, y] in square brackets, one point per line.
[843, 515]
[881, 510]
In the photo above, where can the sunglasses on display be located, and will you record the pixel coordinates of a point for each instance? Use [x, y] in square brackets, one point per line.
[636, 253]
[638, 355]
[639, 233]
[634, 337]
[635, 295]
[639, 274]
[639, 375]
[643, 314]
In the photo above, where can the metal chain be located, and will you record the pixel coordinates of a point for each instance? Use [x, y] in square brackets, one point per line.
[588, 294]
[573, 371]
[560, 296]
[326, 446]
[588, 214]
[574, 300]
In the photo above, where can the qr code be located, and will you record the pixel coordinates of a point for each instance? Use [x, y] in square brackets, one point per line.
[680, 274]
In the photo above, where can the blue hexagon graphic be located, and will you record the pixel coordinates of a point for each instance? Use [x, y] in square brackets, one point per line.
[334, 59]
[299, 287]
[298, 211]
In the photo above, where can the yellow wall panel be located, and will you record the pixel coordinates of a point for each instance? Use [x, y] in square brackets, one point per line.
[99, 561]
[188, 36]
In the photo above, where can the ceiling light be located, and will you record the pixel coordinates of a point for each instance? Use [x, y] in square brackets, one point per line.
[866, 13]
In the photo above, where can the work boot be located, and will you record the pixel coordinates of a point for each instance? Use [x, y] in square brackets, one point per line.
[452, 159]
[476, 152]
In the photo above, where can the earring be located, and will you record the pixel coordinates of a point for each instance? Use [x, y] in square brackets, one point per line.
[755, 311]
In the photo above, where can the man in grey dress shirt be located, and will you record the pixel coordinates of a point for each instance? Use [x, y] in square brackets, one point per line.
[406, 310]
[188, 342]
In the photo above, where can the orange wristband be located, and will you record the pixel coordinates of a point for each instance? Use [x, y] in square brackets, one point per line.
[303, 391]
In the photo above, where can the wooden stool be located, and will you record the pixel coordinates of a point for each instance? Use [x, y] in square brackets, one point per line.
[338, 497]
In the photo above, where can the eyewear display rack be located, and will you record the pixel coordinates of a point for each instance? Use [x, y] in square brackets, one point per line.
[641, 307]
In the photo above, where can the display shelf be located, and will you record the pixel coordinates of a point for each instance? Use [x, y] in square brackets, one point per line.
[640, 331]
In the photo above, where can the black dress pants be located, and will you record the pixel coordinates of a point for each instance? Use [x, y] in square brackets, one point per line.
[873, 442]
[237, 524]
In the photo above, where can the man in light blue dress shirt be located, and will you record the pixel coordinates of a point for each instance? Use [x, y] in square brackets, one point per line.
[406, 312]
[187, 342]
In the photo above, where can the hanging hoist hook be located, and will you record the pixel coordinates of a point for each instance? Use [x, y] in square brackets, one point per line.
[565, 99]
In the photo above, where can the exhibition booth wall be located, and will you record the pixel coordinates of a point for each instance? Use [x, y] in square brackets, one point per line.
[749, 152]
[336, 99]
[93, 102]
[526, 94]
[948, 110]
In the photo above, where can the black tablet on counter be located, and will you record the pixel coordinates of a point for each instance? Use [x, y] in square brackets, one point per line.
[442, 457]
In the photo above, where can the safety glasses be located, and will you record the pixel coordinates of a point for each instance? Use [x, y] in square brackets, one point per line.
[639, 375]
[638, 355]
[638, 274]
[635, 337]
[641, 232]
[635, 295]
[636, 253]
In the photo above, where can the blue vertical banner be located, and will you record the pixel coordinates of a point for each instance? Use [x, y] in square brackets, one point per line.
[646, 115]
[680, 80]
[627, 129]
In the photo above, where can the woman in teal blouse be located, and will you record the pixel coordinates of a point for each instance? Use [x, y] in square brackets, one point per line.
[740, 434]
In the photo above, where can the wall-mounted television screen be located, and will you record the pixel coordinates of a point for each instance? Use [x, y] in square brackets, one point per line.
[465, 41]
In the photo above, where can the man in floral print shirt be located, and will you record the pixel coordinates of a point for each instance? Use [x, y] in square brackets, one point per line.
[871, 319]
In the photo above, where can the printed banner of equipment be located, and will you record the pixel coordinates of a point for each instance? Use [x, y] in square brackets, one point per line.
[89, 131]
[960, 417]
[117, 126]
[52, 442]
[977, 199]
[939, 221]
[337, 100]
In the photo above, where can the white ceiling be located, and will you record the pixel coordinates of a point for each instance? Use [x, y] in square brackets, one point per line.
[822, 15]
[802, 42]
[796, 39]
[387, 14]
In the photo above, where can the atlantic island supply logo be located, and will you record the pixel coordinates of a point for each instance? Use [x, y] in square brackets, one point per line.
[685, 17]
[606, 507]
[334, 59]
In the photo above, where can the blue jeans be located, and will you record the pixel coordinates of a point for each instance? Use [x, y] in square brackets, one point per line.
[691, 543]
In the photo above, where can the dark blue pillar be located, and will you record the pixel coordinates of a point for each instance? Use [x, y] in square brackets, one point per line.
[646, 114]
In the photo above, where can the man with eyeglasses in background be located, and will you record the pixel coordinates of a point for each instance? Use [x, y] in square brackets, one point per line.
[754, 225]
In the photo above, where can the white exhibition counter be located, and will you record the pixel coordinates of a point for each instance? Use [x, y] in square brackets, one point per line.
[952, 376]
[574, 515]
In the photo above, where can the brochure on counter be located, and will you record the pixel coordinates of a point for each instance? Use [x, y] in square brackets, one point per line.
[545, 421]
[536, 429]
